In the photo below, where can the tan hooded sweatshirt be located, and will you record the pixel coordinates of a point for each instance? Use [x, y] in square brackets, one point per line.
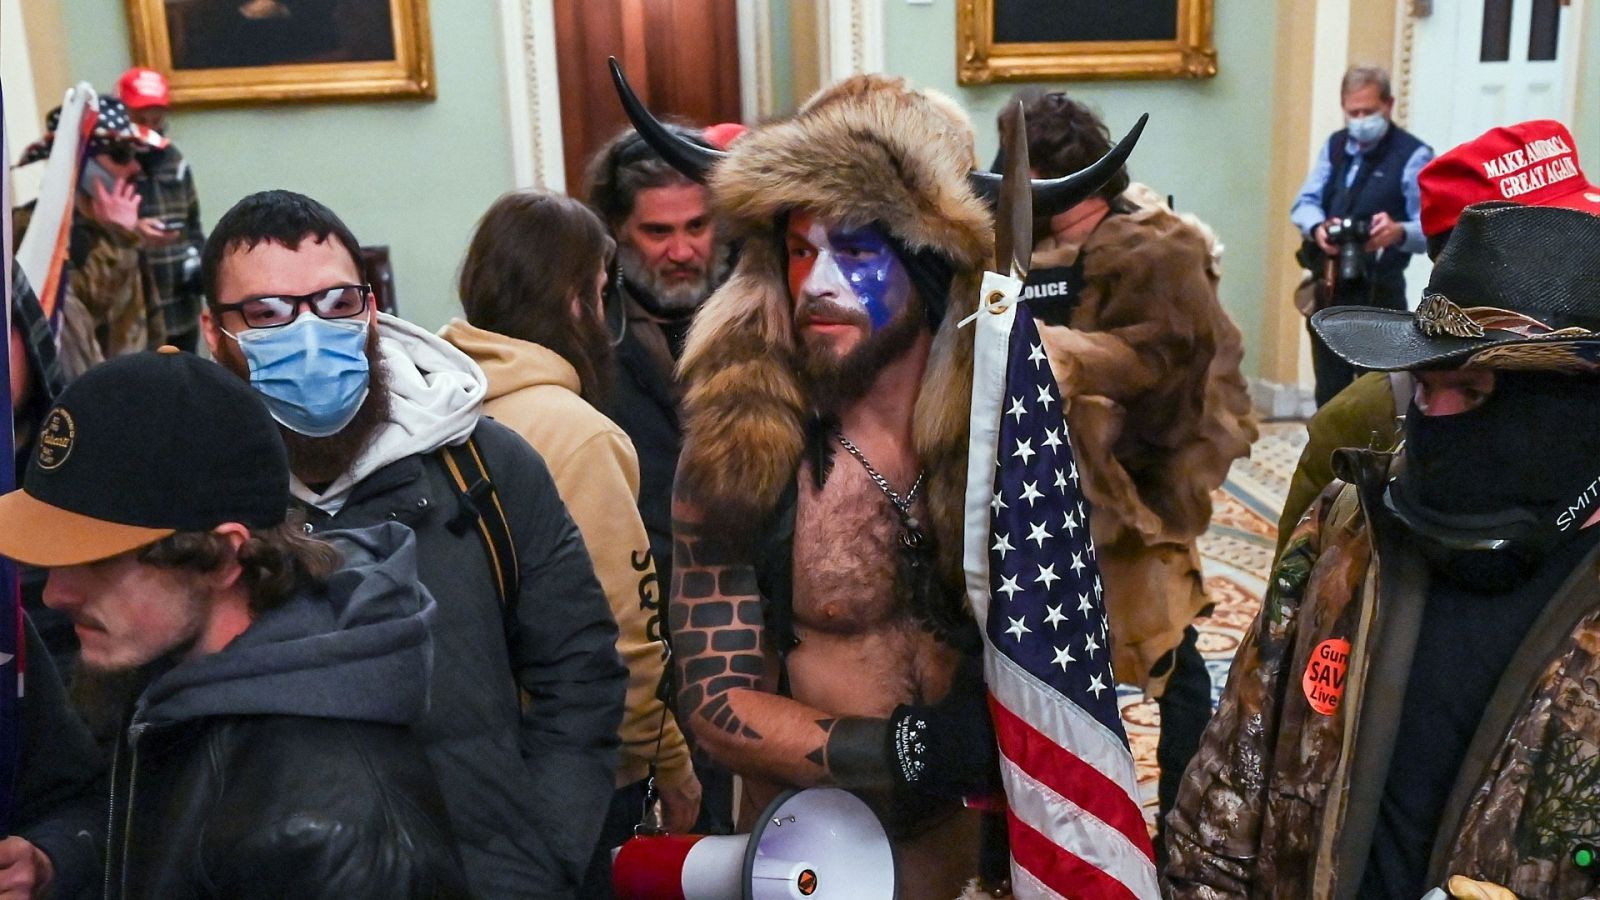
[534, 392]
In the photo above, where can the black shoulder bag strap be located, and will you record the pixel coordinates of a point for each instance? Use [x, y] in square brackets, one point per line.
[478, 505]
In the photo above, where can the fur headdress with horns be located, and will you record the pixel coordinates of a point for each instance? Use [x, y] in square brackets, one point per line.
[868, 149]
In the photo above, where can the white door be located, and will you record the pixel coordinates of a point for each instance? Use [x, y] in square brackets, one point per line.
[1481, 63]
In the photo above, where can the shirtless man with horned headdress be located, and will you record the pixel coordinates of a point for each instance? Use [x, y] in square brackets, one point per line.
[817, 609]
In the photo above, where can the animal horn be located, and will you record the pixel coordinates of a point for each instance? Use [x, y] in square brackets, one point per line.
[1053, 195]
[686, 156]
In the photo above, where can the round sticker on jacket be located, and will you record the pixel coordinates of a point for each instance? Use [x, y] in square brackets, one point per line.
[1323, 681]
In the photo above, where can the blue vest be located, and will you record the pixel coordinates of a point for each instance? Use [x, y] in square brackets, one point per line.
[1378, 186]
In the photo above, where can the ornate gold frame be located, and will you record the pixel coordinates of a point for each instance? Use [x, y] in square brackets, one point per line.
[409, 74]
[979, 60]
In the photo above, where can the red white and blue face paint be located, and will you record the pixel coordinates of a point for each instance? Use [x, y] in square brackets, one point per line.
[844, 276]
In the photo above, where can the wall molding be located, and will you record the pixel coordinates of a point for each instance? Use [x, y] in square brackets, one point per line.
[533, 94]
[853, 32]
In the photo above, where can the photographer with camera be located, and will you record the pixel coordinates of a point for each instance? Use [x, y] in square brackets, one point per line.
[1360, 213]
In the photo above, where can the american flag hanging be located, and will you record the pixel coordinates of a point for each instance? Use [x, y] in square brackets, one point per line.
[1073, 812]
[11, 651]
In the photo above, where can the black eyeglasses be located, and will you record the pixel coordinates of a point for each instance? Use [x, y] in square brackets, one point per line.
[343, 301]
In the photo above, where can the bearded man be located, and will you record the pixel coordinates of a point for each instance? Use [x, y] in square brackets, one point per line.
[817, 602]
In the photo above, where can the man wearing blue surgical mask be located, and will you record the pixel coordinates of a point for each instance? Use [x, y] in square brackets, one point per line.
[381, 418]
[1360, 212]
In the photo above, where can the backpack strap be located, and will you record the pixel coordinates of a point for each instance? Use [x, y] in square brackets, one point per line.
[478, 505]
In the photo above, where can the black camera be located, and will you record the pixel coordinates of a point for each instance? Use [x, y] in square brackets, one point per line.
[1350, 235]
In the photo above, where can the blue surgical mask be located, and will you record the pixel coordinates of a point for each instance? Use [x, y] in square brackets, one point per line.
[312, 373]
[1368, 130]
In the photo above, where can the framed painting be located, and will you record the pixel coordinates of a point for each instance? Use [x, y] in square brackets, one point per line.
[267, 51]
[1048, 40]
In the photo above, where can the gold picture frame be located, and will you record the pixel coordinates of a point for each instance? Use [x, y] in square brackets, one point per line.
[211, 58]
[980, 59]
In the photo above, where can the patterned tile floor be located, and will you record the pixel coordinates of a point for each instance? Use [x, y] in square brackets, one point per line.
[1235, 554]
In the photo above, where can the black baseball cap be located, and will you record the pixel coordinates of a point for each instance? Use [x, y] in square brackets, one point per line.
[139, 448]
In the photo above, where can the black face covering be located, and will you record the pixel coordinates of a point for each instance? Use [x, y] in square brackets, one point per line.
[1492, 490]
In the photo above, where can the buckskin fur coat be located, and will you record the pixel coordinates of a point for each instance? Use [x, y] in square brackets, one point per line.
[1149, 370]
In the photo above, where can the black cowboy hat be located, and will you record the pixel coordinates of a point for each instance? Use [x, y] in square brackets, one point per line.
[1517, 287]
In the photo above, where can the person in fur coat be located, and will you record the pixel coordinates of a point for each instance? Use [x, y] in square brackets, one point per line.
[817, 611]
[1148, 364]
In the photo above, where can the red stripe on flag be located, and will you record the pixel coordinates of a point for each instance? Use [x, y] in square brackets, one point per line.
[1057, 768]
[1061, 870]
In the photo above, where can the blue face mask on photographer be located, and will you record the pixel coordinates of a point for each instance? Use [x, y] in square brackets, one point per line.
[1368, 130]
[312, 373]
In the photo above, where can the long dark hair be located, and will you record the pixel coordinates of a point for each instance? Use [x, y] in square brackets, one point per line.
[532, 253]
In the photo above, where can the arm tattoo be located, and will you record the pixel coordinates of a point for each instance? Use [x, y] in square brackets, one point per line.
[715, 619]
[853, 753]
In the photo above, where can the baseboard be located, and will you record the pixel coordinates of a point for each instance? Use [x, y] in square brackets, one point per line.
[1275, 400]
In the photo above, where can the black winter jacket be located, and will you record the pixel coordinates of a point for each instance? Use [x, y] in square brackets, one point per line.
[527, 784]
[283, 765]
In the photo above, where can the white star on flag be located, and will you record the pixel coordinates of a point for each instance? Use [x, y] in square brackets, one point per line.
[1030, 492]
[1096, 685]
[1016, 409]
[1097, 587]
[1090, 645]
[1038, 534]
[1053, 617]
[1063, 656]
[1043, 697]
[1047, 575]
[1002, 545]
[1017, 629]
[1008, 586]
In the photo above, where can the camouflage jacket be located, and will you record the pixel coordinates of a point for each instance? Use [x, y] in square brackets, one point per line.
[1282, 799]
[109, 275]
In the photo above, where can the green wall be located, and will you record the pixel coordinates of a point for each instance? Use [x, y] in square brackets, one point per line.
[1208, 142]
[413, 175]
[1586, 125]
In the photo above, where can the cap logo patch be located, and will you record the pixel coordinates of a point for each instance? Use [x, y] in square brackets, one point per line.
[55, 439]
[1324, 678]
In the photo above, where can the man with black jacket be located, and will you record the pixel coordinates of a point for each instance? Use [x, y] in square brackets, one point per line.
[666, 266]
[1366, 174]
[258, 761]
[384, 422]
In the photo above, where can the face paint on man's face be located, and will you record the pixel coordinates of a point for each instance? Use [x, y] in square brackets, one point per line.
[849, 272]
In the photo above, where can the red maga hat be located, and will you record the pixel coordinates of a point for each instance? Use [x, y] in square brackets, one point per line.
[140, 87]
[1532, 163]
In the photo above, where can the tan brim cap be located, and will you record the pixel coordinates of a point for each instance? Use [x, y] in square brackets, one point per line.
[36, 533]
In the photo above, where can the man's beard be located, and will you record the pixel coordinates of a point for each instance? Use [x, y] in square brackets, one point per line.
[674, 296]
[833, 382]
[320, 460]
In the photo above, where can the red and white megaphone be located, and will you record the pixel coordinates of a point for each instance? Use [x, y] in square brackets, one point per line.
[815, 844]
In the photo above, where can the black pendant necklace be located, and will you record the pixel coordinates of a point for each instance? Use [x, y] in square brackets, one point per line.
[910, 529]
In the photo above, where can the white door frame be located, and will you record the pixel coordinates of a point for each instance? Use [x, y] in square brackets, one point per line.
[24, 121]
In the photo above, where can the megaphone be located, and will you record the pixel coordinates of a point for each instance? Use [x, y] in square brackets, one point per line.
[813, 844]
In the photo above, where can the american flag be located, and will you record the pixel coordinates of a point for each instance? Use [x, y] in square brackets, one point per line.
[1073, 812]
[11, 653]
